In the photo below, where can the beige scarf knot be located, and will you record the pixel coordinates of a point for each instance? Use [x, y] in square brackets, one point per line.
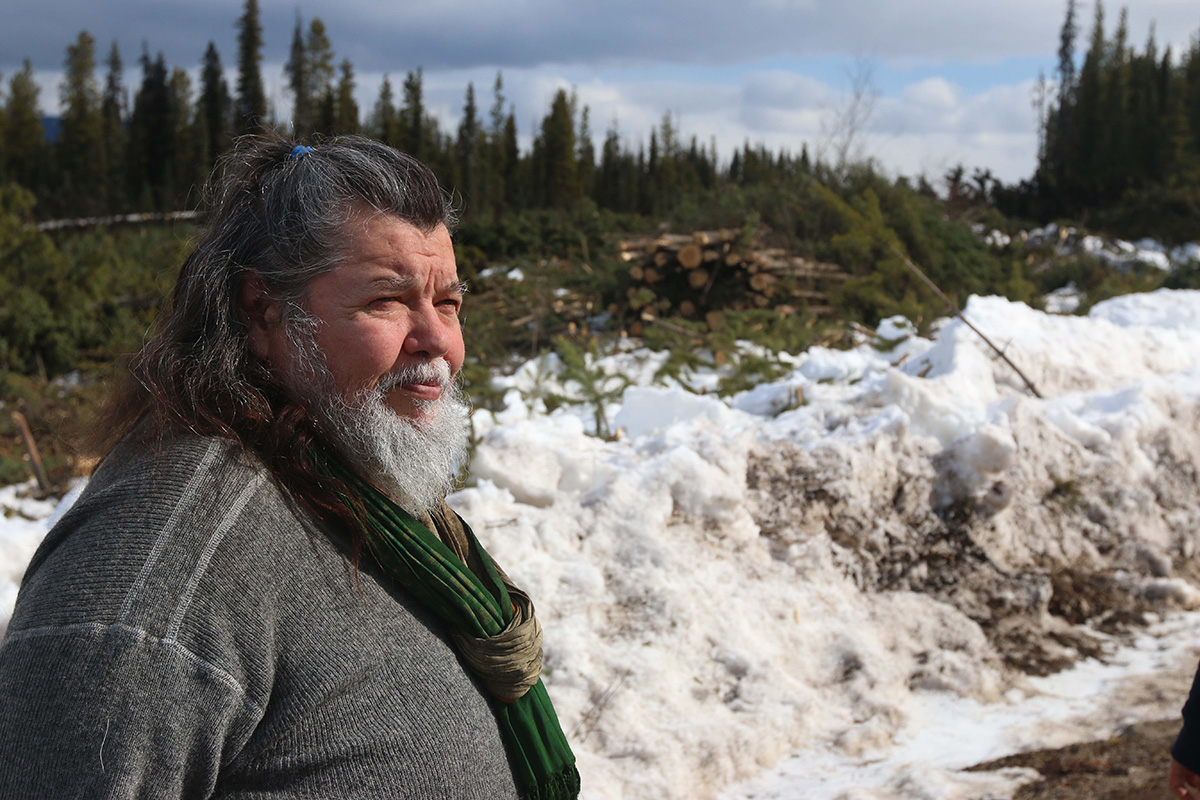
[509, 663]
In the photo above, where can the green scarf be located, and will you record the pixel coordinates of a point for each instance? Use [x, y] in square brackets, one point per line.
[469, 605]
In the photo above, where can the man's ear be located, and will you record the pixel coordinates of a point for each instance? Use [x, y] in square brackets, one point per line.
[263, 313]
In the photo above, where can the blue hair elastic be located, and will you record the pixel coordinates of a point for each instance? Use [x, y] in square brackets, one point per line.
[298, 152]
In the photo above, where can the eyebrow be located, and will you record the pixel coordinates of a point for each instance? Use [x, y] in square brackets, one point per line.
[408, 282]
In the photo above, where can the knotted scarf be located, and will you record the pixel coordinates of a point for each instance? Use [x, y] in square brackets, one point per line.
[491, 623]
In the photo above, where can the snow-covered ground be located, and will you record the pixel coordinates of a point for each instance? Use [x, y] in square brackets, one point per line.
[820, 586]
[1117, 253]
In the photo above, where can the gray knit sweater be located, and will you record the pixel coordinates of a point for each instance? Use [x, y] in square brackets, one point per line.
[186, 632]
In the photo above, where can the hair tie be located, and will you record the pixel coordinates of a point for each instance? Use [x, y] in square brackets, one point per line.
[298, 152]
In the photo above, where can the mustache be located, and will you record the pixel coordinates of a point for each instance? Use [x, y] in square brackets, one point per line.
[437, 371]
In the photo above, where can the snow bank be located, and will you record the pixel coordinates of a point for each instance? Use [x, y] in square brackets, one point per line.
[799, 565]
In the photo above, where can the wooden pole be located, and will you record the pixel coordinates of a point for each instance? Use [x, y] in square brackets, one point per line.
[958, 313]
[35, 459]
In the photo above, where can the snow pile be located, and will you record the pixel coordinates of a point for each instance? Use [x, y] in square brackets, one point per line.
[24, 520]
[796, 566]
[817, 563]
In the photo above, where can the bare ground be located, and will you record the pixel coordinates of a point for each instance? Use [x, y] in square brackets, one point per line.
[1129, 766]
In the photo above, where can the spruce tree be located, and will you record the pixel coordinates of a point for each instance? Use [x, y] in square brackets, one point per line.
[559, 170]
[586, 160]
[214, 109]
[321, 72]
[300, 82]
[1083, 160]
[26, 153]
[183, 172]
[1113, 154]
[383, 124]
[80, 146]
[113, 110]
[151, 136]
[494, 167]
[319, 55]
[346, 115]
[466, 148]
[412, 115]
[1066, 51]
[250, 111]
[1055, 175]
[514, 188]
[609, 181]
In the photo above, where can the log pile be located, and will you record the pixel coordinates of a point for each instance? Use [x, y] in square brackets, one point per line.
[697, 276]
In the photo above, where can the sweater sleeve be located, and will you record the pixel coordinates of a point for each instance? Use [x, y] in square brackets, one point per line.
[93, 711]
[1186, 749]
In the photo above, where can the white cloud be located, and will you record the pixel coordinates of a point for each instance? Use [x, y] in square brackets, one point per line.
[932, 93]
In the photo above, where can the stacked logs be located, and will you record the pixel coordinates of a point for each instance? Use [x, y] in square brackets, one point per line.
[697, 276]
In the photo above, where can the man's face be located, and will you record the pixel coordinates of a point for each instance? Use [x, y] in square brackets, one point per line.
[391, 305]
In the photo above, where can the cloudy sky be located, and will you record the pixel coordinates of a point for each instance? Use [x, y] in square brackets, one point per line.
[953, 78]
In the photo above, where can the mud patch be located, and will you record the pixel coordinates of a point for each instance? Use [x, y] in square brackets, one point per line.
[1129, 766]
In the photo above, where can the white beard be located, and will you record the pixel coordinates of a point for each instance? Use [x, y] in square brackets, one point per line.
[414, 460]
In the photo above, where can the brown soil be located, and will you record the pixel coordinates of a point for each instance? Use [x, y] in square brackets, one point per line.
[1129, 766]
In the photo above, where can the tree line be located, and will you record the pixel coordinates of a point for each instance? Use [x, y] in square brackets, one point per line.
[114, 154]
[1119, 143]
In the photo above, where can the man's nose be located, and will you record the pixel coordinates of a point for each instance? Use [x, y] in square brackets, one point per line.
[430, 334]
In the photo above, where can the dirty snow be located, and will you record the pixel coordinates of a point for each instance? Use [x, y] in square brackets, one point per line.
[840, 583]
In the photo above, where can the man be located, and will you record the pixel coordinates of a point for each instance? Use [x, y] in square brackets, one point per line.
[261, 593]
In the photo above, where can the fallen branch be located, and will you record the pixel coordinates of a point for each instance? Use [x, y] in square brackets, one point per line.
[958, 313]
[35, 458]
[592, 716]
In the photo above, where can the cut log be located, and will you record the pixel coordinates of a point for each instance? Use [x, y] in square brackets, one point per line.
[711, 256]
[715, 320]
[697, 278]
[732, 259]
[687, 308]
[690, 256]
[637, 272]
[763, 281]
[674, 241]
[662, 258]
[642, 243]
[809, 294]
[651, 275]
